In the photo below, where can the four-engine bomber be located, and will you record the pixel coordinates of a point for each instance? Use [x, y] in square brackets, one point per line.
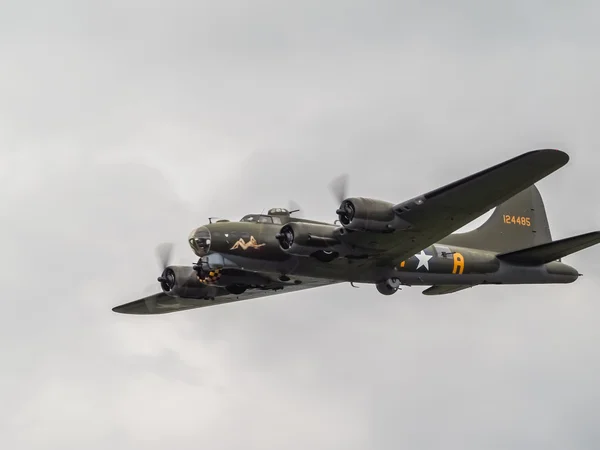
[381, 243]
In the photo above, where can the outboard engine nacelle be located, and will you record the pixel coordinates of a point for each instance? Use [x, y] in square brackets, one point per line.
[367, 214]
[182, 281]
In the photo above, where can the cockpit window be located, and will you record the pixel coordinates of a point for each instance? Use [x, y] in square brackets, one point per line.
[257, 218]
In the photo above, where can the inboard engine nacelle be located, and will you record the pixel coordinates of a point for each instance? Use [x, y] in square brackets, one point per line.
[308, 239]
[367, 214]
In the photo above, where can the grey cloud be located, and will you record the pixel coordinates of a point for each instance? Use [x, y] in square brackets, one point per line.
[125, 127]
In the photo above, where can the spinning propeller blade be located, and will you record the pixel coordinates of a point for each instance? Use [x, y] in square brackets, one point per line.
[339, 187]
[164, 252]
[167, 277]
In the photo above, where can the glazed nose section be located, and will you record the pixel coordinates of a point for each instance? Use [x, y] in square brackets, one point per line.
[199, 240]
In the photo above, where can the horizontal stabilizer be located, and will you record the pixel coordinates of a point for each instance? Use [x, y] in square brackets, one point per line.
[445, 289]
[552, 251]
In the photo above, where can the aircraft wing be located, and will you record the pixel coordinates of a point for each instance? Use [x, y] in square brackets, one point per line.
[162, 303]
[438, 213]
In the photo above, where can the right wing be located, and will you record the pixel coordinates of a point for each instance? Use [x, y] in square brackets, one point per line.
[162, 303]
[438, 213]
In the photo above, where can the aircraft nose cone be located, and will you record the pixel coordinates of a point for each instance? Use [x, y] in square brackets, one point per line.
[199, 240]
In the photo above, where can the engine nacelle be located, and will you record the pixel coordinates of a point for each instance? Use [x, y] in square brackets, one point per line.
[367, 214]
[217, 270]
[182, 281]
[310, 239]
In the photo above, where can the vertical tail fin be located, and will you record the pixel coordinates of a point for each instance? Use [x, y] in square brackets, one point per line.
[518, 223]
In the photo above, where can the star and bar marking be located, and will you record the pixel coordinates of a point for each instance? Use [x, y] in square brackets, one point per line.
[423, 261]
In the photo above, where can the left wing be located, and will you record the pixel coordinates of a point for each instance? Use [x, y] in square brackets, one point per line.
[438, 213]
[162, 303]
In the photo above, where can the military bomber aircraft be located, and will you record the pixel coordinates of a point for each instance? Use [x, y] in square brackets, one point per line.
[412, 243]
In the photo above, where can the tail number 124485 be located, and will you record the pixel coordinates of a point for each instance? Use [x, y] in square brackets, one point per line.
[517, 220]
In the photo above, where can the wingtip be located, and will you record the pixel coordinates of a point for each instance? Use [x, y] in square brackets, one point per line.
[128, 308]
[560, 155]
[128, 312]
[552, 158]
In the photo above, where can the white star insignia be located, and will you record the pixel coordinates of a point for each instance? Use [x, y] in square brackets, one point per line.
[423, 259]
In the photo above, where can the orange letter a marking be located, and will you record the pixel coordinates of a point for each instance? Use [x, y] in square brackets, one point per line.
[459, 263]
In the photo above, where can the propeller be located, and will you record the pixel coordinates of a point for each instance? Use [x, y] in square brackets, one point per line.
[164, 253]
[346, 212]
[339, 187]
[286, 237]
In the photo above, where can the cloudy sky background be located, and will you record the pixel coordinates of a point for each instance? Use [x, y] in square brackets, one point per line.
[125, 124]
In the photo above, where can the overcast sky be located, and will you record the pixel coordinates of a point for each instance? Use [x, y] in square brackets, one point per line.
[126, 124]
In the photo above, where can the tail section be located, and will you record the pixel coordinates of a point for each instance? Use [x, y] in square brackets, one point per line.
[518, 223]
[551, 251]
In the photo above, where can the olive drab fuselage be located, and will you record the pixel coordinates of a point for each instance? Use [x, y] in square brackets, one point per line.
[253, 246]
